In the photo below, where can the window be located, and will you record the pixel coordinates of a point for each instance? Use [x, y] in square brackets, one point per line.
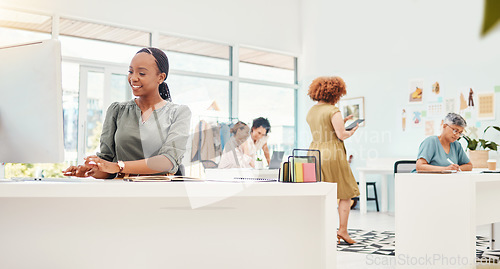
[196, 56]
[268, 66]
[70, 85]
[100, 50]
[19, 27]
[268, 89]
[274, 103]
[103, 32]
[209, 97]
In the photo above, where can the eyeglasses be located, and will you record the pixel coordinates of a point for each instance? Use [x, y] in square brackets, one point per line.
[455, 131]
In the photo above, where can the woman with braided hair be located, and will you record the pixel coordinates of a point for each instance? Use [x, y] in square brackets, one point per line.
[146, 135]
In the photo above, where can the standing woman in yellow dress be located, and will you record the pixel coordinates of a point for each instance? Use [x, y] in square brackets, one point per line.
[328, 132]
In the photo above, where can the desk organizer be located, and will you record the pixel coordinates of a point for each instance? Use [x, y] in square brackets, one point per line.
[303, 166]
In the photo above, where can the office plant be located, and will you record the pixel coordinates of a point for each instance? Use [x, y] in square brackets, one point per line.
[479, 148]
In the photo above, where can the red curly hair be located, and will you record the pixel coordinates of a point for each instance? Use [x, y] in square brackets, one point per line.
[327, 89]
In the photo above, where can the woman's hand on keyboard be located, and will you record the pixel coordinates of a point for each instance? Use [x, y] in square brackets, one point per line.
[79, 171]
[101, 165]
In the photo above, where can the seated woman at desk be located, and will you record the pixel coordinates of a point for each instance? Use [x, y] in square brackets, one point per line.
[146, 135]
[444, 152]
[258, 140]
[233, 155]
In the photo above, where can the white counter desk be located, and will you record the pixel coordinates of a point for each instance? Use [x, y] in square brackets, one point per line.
[437, 215]
[116, 224]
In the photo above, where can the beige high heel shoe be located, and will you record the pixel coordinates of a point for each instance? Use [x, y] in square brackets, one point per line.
[350, 242]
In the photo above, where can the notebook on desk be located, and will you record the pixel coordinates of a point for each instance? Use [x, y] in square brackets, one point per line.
[438, 172]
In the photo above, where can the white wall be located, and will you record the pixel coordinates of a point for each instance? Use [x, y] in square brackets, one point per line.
[268, 24]
[378, 46]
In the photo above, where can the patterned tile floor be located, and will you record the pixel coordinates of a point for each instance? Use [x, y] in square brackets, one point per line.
[382, 243]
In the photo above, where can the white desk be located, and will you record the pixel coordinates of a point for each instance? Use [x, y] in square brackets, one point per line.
[385, 173]
[117, 224]
[437, 215]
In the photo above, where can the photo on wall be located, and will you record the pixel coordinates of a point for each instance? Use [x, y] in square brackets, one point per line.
[435, 94]
[449, 105]
[486, 105]
[353, 106]
[403, 119]
[416, 117]
[416, 89]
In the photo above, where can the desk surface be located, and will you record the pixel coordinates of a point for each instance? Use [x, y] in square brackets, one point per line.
[118, 188]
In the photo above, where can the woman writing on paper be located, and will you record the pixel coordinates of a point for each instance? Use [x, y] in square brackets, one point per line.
[444, 152]
[328, 132]
[146, 135]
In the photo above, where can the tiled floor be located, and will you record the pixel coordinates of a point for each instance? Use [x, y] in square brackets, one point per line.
[379, 222]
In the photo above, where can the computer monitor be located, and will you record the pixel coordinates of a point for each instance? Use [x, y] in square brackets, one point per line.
[31, 115]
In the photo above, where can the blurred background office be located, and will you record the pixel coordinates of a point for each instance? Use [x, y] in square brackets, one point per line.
[238, 60]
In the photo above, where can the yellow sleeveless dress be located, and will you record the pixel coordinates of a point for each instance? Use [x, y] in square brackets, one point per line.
[334, 164]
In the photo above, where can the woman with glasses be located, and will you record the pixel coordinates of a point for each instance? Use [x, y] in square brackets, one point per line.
[444, 152]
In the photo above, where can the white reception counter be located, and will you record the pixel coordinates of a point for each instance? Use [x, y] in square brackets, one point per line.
[116, 224]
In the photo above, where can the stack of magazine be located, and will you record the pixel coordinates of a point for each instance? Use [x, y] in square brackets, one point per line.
[303, 166]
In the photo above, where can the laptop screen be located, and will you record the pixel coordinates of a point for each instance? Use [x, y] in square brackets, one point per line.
[276, 159]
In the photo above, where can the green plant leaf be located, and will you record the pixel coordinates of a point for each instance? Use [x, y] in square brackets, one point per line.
[494, 127]
[494, 146]
[483, 143]
[491, 16]
[472, 145]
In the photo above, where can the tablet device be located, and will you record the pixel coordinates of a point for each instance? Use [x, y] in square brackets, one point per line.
[352, 125]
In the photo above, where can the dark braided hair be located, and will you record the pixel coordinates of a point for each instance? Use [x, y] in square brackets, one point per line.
[162, 63]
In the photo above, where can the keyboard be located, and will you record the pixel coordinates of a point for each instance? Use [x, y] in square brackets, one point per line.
[50, 179]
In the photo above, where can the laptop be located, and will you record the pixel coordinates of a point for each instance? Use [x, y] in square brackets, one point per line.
[276, 159]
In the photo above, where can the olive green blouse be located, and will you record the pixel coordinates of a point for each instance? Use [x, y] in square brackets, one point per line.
[126, 138]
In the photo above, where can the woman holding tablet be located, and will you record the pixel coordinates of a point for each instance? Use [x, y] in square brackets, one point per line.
[146, 135]
[328, 132]
[444, 152]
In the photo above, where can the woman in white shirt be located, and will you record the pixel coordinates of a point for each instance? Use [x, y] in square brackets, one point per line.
[233, 156]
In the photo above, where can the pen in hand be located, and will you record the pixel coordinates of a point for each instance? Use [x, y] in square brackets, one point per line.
[453, 163]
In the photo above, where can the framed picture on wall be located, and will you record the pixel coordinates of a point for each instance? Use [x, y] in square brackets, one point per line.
[416, 89]
[486, 104]
[353, 106]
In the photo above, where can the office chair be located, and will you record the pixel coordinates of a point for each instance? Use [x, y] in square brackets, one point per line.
[404, 166]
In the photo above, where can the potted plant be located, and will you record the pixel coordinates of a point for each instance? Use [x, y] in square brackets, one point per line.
[259, 164]
[479, 149]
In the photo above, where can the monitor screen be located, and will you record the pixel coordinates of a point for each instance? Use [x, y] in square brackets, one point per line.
[31, 115]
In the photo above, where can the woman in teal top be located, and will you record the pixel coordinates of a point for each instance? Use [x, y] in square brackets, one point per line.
[143, 136]
[444, 152]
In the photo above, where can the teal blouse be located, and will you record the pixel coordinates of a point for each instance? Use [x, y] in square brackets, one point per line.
[124, 137]
[433, 152]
